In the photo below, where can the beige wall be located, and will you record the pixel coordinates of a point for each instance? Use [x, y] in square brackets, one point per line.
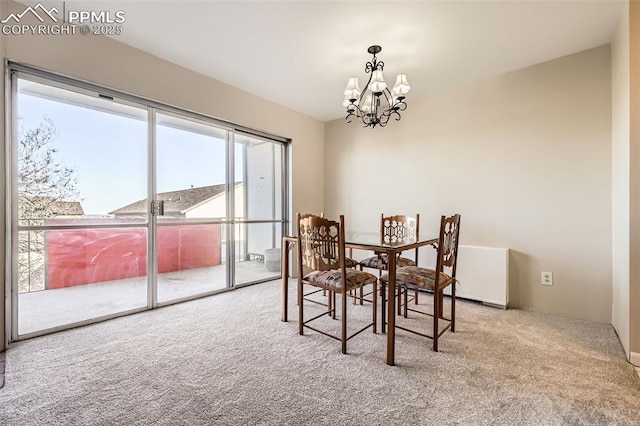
[620, 176]
[634, 237]
[525, 158]
[110, 63]
[626, 180]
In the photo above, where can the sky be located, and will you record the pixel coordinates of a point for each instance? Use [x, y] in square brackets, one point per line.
[109, 153]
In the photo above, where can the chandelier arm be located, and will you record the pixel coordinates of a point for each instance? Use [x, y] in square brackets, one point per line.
[400, 106]
[353, 111]
[366, 88]
[384, 118]
[390, 113]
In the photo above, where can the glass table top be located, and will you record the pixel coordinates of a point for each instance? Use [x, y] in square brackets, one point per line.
[374, 239]
[369, 240]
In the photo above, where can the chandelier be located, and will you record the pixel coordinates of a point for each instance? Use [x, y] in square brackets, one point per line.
[376, 104]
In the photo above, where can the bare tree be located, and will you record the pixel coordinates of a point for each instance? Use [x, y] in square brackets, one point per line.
[46, 189]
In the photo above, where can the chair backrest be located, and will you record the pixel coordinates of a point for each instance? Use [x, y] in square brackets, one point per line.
[399, 229]
[320, 243]
[448, 243]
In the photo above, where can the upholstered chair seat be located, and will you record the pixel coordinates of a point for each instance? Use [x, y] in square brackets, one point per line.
[416, 276]
[381, 262]
[333, 279]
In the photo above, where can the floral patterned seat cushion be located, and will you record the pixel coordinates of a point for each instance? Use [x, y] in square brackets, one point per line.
[333, 278]
[382, 262]
[419, 277]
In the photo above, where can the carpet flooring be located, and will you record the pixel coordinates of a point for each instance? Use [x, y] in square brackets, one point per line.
[229, 360]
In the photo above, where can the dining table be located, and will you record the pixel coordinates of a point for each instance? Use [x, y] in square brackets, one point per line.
[369, 241]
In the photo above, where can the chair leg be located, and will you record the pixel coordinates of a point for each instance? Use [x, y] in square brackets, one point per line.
[383, 300]
[353, 292]
[300, 308]
[405, 290]
[361, 295]
[333, 303]
[416, 295]
[375, 307]
[344, 321]
[453, 307]
[436, 315]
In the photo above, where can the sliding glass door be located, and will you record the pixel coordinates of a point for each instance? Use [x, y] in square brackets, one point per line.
[77, 157]
[260, 208]
[118, 204]
[191, 199]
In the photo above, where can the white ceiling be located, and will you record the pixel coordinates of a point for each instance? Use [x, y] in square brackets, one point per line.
[300, 53]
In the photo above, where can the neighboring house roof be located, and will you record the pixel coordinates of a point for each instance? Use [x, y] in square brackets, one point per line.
[176, 202]
[55, 207]
[68, 208]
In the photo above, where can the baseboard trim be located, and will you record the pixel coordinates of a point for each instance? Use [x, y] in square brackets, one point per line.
[634, 358]
[494, 305]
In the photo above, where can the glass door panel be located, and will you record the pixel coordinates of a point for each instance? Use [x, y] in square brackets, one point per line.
[257, 252]
[259, 208]
[189, 261]
[80, 161]
[191, 191]
[81, 275]
[259, 163]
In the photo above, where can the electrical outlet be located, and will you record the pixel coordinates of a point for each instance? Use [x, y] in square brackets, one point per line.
[546, 278]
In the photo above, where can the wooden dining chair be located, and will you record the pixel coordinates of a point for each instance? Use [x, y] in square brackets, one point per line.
[394, 230]
[350, 262]
[321, 264]
[434, 280]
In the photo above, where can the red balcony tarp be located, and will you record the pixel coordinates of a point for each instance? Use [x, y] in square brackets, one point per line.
[85, 256]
